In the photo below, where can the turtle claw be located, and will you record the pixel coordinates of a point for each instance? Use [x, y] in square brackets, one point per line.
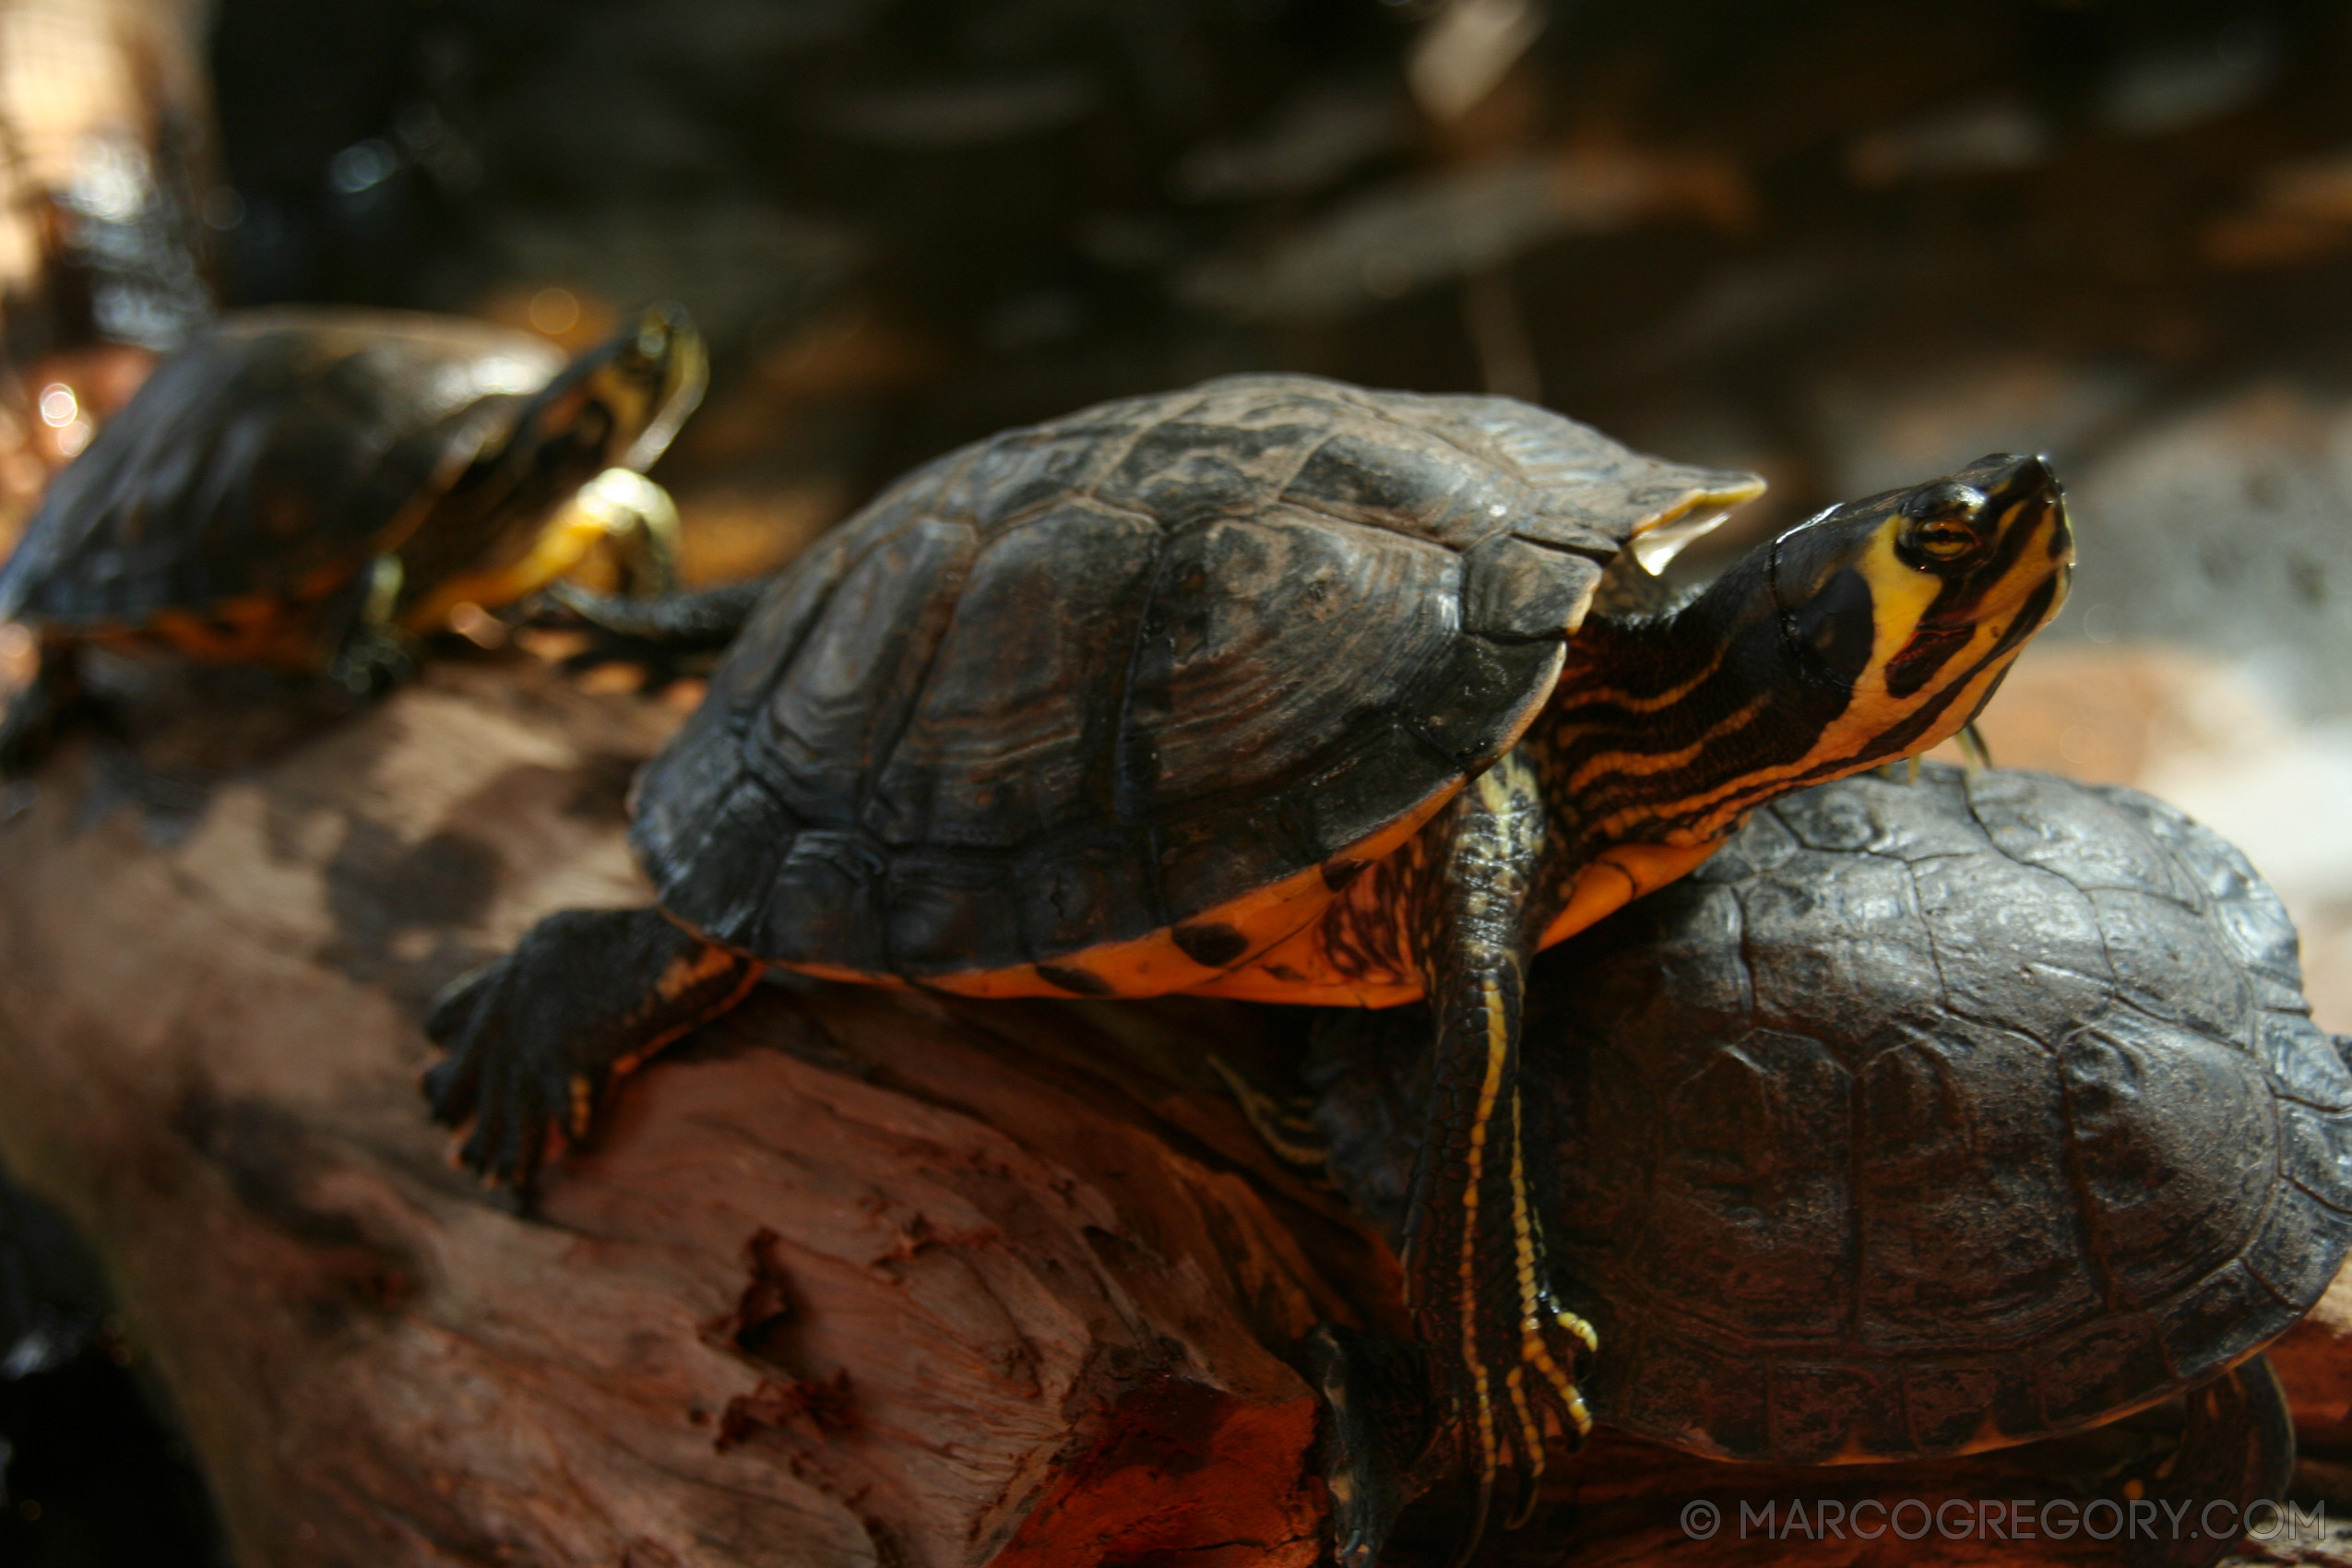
[513, 1105]
[537, 1039]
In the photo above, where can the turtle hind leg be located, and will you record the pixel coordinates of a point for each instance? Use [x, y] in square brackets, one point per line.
[1475, 1263]
[663, 639]
[2238, 1448]
[537, 1039]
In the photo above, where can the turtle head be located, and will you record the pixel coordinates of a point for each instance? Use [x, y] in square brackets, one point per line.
[565, 477]
[1914, 603]
[1863, 635]
[645, 380]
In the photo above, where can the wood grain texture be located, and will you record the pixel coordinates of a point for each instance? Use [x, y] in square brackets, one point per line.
[854, 1278]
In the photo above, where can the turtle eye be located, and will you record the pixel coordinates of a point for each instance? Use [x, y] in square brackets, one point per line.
[1943, 525]
[1941, 540]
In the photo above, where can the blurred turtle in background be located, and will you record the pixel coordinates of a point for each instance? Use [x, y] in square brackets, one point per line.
[1919, 1120]
[309, 489]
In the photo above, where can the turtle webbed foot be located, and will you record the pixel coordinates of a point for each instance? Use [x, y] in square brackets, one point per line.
[537, 1039]
[1521, 1395]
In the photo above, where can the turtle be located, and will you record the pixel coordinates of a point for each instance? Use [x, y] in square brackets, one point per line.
[1921, 1120]
[306, 487]
[1274, 688]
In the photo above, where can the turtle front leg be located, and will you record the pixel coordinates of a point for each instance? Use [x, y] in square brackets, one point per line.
[369, 655]
[702, 621]
[537, 1039]
[1504, 1348]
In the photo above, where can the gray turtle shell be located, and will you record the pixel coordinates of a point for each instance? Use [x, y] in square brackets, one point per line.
[1086, 681]
[1927, 1118]
[274, 453]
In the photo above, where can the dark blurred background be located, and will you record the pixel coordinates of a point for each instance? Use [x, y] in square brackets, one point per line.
[1846, 242]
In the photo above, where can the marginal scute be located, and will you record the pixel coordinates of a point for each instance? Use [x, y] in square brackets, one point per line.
[827, 903]
[722, 894]
[2315, 1154]
[1512, 589]
[1695, 1391]
[1360, 785]
[1212, 859]
[2210, 1327]
[2098, 1368]
[1947, 1405]
[1464, 705]
[2301, 1242]
[681, 791]
[1068, 898]
[946, 910]
[1818, 1411]
[2302, 1060]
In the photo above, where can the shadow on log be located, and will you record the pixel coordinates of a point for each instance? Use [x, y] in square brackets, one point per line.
[853, 1277]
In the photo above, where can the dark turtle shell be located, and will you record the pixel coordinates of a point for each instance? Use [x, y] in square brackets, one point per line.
[1923, 1119]
[266, 460]
[1111, 672]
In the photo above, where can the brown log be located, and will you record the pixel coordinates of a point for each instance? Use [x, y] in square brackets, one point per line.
[856, 1279]
[853, 1277]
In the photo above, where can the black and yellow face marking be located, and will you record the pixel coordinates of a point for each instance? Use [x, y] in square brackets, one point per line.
[1872, 632]
[522, 516]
